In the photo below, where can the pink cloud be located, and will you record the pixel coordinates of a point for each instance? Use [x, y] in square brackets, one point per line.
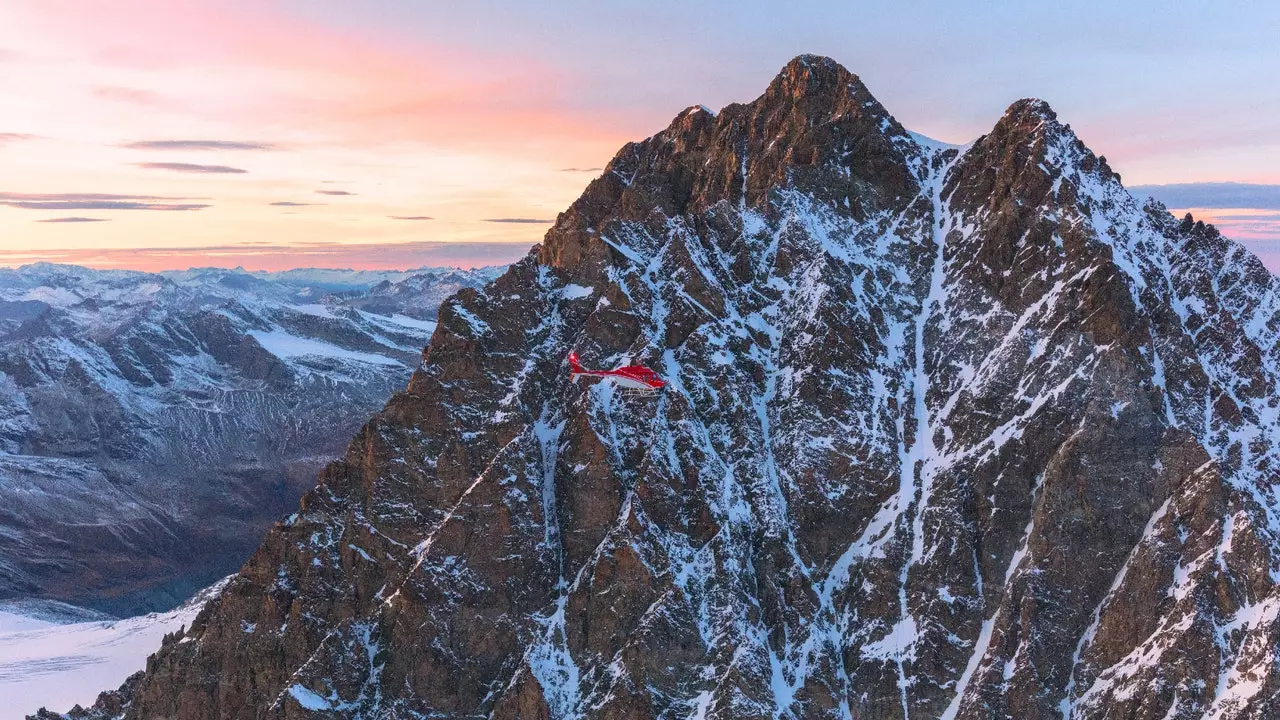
[337, 84]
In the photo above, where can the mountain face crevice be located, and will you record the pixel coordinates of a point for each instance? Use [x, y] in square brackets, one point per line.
[958, 432]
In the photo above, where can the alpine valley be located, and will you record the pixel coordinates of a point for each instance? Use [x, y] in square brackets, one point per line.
[153, 426]
[948, 432]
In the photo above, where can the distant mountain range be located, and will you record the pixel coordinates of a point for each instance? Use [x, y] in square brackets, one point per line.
[153, 425]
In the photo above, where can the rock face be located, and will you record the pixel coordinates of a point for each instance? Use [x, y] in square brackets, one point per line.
[153, 426]
[948, 432]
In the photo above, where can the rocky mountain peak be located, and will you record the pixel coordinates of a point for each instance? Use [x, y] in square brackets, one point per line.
[1029, 136]
[815, 77]
[815, 128]
[1028, 110]
[948, 432]
[1043, 207]
[816, 91]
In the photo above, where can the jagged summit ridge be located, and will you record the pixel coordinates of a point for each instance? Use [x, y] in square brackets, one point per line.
[815, 125]
[948, 432]
[1030, 108]
[819, 79]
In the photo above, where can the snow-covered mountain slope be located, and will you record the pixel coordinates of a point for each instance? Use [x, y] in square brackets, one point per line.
[51, 658]
[153, 426]
[948, 433]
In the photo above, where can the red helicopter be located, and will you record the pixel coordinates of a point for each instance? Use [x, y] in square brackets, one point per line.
[633, 379]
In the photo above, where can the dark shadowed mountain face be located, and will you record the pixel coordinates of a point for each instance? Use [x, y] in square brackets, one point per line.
[153, 426]
[948, 432]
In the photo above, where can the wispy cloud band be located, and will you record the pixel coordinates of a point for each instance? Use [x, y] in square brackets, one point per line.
[97, 201]
[73, 220]
[192, 168]
[197, 145]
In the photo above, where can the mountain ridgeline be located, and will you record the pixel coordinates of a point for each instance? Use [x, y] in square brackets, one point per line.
[154, 425]
[949, 432]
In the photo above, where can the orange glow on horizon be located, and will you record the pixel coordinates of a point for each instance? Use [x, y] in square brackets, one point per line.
[254, 257]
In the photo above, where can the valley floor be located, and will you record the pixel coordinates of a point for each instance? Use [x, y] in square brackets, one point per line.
[49, 660]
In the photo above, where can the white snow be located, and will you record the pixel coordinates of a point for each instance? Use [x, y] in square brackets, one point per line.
[60, 665]
[478, 327]
[13, 623]
[286, 346]
[308, 699]
[44, 664]
[314, 309]
[573, 291]
[55, 296]
[415, 323]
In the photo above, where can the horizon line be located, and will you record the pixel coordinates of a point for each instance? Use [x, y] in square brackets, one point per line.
[382, 257]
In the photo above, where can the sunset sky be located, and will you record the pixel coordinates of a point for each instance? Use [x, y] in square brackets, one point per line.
[398, 133]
